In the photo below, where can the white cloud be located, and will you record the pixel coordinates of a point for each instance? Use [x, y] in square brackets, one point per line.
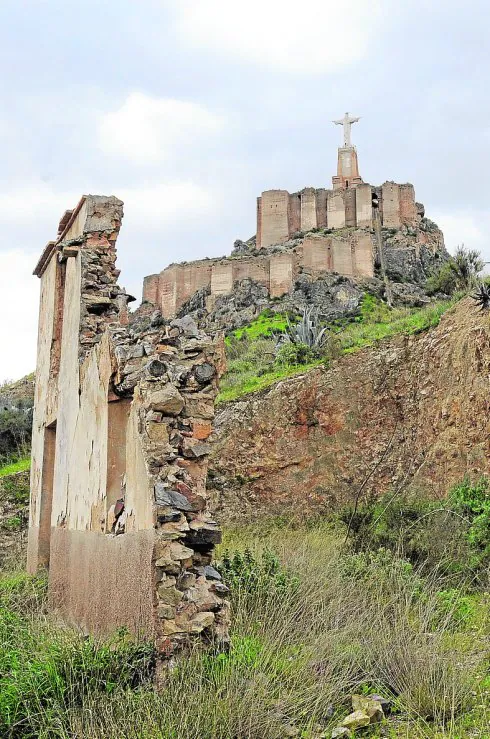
[148, 129]
[34, 201]
[309, 37]
[153, 206]
[471, 228]
[19, 297]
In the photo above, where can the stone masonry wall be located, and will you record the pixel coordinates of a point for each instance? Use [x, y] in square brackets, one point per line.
[350, 255]
[119, 508]
[280, 215]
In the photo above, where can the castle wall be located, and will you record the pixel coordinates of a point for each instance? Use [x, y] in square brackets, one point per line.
[281, 273]
[335, 209]
[408, 209]
[342, 257]
[275, 225]
[258, 243]
[350, 207]
[222, 278]
[363, 255]
[321, 208]
[308, 209]
[294, 218]
[317, 253]
[364, 207]
[391, 205]
[255, 268]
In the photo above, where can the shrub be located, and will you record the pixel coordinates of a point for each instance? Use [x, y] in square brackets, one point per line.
[291, 355]
[472, 500]
[244, 572]
[45, 671]
[431, 535]
[458, 273]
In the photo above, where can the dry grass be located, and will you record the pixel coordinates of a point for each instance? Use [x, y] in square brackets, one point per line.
[299, 650]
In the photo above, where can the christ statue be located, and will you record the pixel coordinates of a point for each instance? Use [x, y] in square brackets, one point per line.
[346, 122]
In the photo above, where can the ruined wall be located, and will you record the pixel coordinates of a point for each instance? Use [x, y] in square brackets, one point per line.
[280, 215]
[350, 255]
[413, 411]
[122, 480]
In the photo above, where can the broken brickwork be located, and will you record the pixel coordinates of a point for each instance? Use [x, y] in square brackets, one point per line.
[119, 511]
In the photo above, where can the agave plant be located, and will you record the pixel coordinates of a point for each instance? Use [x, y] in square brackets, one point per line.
[308, 330]
[482, 297]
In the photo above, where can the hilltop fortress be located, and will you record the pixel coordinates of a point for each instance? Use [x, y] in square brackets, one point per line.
[312, 232]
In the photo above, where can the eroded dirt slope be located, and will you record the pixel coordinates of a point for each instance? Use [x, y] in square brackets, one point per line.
[413, 411]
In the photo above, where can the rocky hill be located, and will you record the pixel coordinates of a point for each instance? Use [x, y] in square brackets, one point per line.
[411, 412]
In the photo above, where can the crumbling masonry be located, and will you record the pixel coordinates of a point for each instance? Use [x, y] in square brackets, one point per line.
[123, 410]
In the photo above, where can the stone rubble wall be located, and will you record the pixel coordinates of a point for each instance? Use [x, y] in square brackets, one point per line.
[119, 509]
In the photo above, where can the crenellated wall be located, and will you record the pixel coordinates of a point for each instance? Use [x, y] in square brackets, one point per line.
[350, 255]
[281, 215]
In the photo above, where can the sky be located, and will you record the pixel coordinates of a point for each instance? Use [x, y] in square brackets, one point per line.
[189, 109]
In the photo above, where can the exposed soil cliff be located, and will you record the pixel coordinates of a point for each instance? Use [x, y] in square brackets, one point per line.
[413, 411]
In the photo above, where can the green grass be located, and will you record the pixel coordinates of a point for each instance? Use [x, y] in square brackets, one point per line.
[266, 324]
[250, 350]
[20, 466]
[309, 630]
[358, 335]
[250, 383]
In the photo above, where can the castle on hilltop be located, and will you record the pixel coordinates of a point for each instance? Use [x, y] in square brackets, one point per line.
[313, 231]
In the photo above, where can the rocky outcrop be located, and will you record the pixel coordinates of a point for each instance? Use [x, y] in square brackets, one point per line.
[408, 413]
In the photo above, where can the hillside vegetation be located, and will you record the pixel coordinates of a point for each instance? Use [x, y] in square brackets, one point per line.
[254, 361]
[390, 600]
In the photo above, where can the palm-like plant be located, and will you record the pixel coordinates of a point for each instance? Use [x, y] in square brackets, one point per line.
[482, 297]
[308, 330]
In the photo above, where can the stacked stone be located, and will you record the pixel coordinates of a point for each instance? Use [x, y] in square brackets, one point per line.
[102, 300]
[170, 370]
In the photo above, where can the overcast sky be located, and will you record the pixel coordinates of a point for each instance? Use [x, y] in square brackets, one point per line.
[188, 109]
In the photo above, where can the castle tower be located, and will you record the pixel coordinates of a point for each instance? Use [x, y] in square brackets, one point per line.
[347, 164]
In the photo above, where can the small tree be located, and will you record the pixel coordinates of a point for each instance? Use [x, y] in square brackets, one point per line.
[458, 273]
